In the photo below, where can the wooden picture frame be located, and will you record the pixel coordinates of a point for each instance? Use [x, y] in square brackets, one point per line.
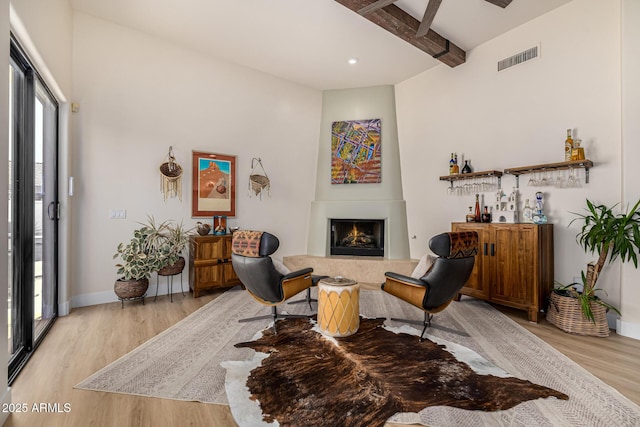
[213, 186]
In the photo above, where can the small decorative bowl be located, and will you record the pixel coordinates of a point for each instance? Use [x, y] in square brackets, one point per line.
[203, 229]
[233, 229]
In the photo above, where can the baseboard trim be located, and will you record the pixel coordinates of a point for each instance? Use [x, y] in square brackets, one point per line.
[64, 308]
[628, 329]
[95, 298]
[5, 400]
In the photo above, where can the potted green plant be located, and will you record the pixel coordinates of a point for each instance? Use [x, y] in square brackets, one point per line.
[154, 247]
[138, 261]
[174, 244]
[612, 236]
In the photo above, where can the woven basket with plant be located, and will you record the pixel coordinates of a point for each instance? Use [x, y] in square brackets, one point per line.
[612, 236]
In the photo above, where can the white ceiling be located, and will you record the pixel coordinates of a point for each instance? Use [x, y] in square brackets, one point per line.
[310, 41]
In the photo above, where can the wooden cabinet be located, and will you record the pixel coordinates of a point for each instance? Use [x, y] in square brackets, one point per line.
[514, 265]
[210, 263]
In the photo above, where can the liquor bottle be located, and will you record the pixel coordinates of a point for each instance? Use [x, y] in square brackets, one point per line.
[466, 168]
[568, 146]
[527, 213]
[451, 163]
[477, 217]
[470, 216]
[486, 216]
[577, 153]
[538, 215]
[456, 168]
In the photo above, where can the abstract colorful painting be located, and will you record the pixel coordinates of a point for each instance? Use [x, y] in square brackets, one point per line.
[355, 152]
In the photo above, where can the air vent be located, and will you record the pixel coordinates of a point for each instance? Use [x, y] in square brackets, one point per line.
[519, 58]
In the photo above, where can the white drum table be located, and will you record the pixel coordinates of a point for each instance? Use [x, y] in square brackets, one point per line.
[338, 306]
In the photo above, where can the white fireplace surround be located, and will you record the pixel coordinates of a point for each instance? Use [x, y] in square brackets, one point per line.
[392, 211]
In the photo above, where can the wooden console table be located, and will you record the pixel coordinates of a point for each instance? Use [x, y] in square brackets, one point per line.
[210, 263]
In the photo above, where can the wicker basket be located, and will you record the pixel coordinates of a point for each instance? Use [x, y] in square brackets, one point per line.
[171, 170]
[258, 183]
[173, 269]
[565, 313]
[127, 289]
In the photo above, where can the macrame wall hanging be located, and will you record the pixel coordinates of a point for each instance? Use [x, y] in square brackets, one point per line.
[258, 181]
[171, 177]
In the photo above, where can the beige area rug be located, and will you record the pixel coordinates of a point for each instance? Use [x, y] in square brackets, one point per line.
[184, 362]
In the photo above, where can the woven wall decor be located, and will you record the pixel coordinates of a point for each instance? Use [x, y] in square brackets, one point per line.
[171, 177]
[258, 181]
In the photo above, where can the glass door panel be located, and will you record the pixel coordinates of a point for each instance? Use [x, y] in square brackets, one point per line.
[33, 210]
[45, 211]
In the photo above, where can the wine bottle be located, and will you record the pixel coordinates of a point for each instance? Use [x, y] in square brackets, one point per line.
[477, 216]
[451, 163]
[466, 168]
[486, 216]
[568, 146]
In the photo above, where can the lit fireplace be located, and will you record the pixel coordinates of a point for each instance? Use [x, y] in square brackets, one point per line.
[360, 237]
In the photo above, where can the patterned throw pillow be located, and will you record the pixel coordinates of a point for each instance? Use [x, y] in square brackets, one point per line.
[246, 243]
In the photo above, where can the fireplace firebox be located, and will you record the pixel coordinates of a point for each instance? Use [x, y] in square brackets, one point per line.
[359, 237]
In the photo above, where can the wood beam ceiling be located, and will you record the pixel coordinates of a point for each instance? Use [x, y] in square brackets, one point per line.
[427, 19]
[400, 23]
[501, 3]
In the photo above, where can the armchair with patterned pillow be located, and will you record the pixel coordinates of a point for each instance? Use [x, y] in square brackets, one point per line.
[442, 281]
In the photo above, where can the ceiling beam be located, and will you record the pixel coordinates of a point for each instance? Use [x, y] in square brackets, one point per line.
[427, 19]
[405, 26]
[501, 3]
[375, 6]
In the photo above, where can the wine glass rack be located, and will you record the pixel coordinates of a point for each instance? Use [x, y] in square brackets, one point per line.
[522, 170]
[545, 167]
[471, 175]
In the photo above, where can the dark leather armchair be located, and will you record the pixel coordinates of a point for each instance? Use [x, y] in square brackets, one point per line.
[250, 256]
[434, 291]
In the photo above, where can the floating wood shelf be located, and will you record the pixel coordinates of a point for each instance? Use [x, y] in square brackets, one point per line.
[586, 164]
[573, 164]
[470, 175]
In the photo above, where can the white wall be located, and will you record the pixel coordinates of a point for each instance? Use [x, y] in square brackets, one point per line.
[5, 392]
[138, 95]
[630, 293]
[519, 117]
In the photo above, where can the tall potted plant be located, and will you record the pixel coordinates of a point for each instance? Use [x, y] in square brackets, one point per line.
[612, 236]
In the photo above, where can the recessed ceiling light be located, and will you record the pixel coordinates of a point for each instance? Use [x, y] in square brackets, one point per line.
[353, 61]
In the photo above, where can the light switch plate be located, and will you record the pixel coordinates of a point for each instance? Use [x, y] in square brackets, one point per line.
[117, 213]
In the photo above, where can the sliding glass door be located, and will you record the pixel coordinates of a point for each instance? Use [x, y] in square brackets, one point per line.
[33, 210]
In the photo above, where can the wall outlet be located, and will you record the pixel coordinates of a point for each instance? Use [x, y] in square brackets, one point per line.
[117, 213]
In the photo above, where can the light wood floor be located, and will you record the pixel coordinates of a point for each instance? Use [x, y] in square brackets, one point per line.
[90, 338]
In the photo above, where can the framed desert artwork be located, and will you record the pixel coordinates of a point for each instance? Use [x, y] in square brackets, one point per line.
[213, 185]
[355, 152]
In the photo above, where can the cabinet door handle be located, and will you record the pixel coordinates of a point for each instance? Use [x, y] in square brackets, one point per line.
[485, 249]
[493, 249]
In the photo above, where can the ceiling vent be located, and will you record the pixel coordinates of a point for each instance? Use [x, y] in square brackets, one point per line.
[519, 58]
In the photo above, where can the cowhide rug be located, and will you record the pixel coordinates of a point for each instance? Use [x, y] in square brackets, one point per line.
[303, 378]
